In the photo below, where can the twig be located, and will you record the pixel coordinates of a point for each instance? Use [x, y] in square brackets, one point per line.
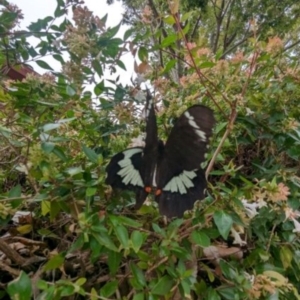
[11, 253]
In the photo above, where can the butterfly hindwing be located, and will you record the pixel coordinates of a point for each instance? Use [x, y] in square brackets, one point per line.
[123, 170]
[175, 203]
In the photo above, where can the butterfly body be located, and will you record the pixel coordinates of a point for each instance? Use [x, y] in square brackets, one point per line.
[171, 171]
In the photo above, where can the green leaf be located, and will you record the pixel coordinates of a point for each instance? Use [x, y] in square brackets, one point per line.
[121, 65]
[54, 262]
[163, 286]
[59, 58]
[186, 16]
[97, 67]
[74, 170]
[137, 239]
[15, 192]
[112, 31]
[90, 191]
[143, 54]
[223, 222]
[59, 11]
[129, 222]
[91, 154]
[105, 240]
[169, 40]
[43, 65]
[80, 281]
[207, 64]
[228, 293]
[20, 288]
[200, 238]
[50, 126]
[122, 235]
[70, 91]
[60, 154]
[114, 260]
[169, 20]
[138, 274]
[128, 33]
[213, 295]
[139, 296]
[109, 289]
[47, 147]
[170, 65]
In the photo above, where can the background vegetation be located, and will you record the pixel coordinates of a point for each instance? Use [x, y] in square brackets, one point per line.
[65, 235]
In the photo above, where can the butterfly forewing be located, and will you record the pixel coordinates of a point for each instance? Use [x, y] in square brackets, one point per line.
[180, 177]
[133, 168]
[187, 143]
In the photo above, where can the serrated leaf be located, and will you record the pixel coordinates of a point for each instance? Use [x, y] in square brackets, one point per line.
[43, 65]
[163, 286]
[223, 222]
[20, 288]
[54, 262]
[91, 154]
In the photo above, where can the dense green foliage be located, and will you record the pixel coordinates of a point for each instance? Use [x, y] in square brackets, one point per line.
[81, 240]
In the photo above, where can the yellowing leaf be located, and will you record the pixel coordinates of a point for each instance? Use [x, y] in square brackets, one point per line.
[45, 207]
[24, 229]
[286, 256]
[281, 280]
[174, 6]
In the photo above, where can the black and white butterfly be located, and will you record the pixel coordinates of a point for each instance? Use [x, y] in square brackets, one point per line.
[172, 170]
